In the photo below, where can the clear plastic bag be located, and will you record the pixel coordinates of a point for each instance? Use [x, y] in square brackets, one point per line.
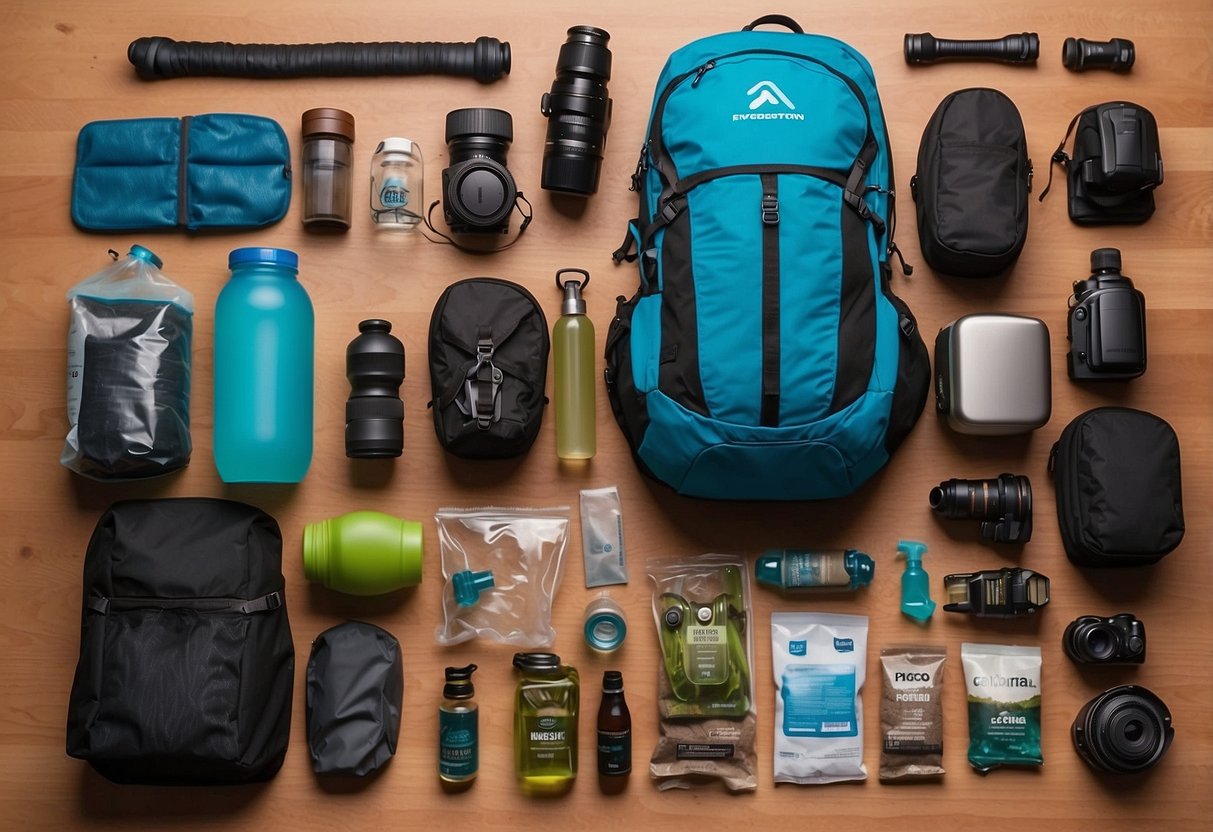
[128, 373]
[705, 690]
[523, 549]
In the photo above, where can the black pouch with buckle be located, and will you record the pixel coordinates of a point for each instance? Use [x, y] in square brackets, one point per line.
[488, 351]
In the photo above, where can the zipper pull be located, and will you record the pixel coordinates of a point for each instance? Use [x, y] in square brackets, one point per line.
[906, 268]
[701, 72]
[1052, 466]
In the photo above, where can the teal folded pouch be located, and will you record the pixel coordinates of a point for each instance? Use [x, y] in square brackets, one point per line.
[219, 170]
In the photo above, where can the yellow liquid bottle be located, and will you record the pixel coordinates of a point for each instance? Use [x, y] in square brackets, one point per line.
[575, 382]
[546, 708]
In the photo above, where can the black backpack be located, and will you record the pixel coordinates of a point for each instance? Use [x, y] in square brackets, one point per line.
[186, 659]
[488, 366]
[971, 187]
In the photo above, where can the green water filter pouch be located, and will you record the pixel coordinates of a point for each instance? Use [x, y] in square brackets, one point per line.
[1003, 682]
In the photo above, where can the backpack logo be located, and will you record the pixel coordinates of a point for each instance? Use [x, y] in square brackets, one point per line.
[768, 94]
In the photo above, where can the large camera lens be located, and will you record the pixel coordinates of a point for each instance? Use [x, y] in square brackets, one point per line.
[1120, 639]
[1004, 505]
[478, 190]
[1123, 730]
[578, 109]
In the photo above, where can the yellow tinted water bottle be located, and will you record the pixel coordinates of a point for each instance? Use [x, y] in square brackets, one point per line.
[573, 349]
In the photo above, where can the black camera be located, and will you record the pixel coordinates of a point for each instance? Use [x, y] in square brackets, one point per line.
[578, 110]
[1116, 164]
[1107, 324]
[1003, 505]
[478, 191]
[1120, 639]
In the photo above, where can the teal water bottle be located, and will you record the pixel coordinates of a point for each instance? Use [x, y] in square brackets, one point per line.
[264, 336]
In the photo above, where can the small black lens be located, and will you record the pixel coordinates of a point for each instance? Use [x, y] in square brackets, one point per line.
[1100, 642]
[1123, 731]
[578, 108]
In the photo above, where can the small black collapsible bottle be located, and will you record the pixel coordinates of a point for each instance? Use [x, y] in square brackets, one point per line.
[374, 414]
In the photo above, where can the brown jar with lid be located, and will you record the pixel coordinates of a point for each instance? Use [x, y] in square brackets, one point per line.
[328, 155]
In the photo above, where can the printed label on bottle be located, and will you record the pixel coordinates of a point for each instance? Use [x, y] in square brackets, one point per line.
[458, 755]
[813, 569]
[548, 742]
[614, 752]
[707, 656]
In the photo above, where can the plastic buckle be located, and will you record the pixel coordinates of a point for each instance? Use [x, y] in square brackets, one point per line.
[482, 389]
[770, 209]
[669, 212]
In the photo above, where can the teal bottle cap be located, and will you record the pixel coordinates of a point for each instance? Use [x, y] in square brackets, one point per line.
[768, 570]
[147, 255]
[860, 567]
[264, 256]
[605, 627]
[468, 585]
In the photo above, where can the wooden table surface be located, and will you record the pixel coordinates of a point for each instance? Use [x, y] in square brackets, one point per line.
[64, 64]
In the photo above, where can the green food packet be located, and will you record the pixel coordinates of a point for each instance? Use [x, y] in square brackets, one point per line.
[1004, 705]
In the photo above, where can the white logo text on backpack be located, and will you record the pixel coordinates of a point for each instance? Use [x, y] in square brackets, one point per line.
[768, 94]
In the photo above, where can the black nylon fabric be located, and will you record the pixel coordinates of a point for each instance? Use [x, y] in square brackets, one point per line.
[515, 323]
[1119, 491]
[173, 685]
[1087, 207]
[355, 690]
[971, 188]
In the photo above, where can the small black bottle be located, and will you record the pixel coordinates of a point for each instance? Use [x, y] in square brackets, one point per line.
[374, 414]
[614, 728]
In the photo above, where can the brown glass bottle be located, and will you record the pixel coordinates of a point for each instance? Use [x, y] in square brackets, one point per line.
[614, 728]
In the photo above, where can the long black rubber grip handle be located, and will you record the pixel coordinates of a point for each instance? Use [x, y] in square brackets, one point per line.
[1012, 49]
[485, 60]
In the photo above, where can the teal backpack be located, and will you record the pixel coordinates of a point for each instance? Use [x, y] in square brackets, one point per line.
[764, 355]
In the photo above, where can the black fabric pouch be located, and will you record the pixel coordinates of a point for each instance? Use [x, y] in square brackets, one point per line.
[488, 353]
[1119, 497]
[186, 659]
[355, 690]
[972, 184]
[1116, 164]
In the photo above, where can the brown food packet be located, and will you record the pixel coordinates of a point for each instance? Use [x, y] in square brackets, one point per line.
[911, 712]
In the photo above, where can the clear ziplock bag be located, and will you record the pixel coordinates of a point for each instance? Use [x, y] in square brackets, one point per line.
[522, 549]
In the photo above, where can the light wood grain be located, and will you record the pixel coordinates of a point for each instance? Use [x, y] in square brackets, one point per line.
[64, 63]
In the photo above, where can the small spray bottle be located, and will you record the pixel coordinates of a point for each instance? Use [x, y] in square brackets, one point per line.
[915, 583]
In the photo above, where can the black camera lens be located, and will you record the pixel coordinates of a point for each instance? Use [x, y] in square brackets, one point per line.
[1120, 639]
[578, 110]
[1079, 54]
[374, 414]
[1124, 730]
[1004, 505]
[478, 190]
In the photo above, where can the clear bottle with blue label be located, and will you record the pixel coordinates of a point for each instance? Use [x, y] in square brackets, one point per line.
[793, 570]
[458, 728]
[397, 177]
[264, 341]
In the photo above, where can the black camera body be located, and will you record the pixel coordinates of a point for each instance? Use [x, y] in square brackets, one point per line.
[1116, 166]
[478, 190]
[1119, 639]
[1107, 323]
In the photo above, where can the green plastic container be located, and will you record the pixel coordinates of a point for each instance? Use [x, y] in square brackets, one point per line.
[363, 553]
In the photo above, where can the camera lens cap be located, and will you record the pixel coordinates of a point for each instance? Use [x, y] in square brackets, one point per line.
[481, 194]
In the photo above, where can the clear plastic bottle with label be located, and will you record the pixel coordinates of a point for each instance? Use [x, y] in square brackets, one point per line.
[545, 724]
[397, 179]
[458, 728]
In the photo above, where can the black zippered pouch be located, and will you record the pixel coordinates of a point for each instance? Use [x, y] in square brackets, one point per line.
[186, 659]
[972, 184]
[488, 355]
[1119, 495]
